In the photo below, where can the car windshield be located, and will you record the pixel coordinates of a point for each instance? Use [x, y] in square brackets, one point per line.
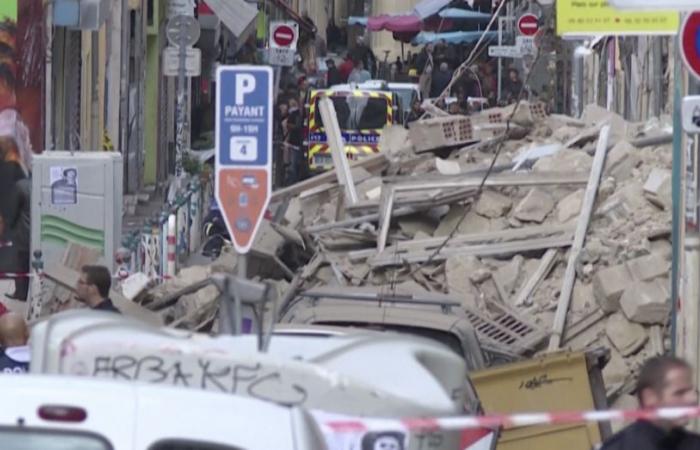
[407, 97]
[358, 113]
[25, 439]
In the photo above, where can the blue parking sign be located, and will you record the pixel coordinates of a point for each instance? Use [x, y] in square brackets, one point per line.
[244, 115]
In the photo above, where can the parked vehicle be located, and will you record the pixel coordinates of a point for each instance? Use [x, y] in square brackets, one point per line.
[42, 412]
[362, 112]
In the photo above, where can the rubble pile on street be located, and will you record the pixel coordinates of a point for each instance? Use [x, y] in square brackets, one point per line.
[418, 225]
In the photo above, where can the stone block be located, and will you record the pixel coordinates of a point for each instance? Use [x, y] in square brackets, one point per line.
[507, 276]
[657, 188]
[570, 206]
[621, 159]
[608, 286]
[646, 302]
[627, 337]
[646, 268]
[536, 205]
[493, 205]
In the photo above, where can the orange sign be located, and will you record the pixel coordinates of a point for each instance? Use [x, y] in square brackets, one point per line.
[243, 196]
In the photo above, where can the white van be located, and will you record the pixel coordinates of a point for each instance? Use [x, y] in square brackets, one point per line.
[42, 412]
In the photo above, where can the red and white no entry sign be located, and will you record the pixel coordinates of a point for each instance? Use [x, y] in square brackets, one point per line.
[528, 24]
[690, 43]
[283, 35]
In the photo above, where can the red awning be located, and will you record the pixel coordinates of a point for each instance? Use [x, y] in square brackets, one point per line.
[399, 24]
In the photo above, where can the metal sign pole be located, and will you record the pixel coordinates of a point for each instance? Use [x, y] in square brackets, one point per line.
[181, 105]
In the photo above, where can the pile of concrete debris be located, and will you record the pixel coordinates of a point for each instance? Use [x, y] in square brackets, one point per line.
[410, 217]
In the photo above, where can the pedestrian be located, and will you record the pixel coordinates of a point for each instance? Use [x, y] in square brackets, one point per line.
[664, 382]
[416, 112]
[441, 79]
[14, 352]
[399, 64]
[366, 55]
[425, 64]
[20, 229]
[513, 86]
[93, 288]
[359, 73]
[293, 145]
[333, 76]
[346, 68]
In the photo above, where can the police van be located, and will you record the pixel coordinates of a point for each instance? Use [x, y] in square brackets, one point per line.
[363, 110]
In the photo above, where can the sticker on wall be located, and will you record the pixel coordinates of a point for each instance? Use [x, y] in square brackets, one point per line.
[64, 185]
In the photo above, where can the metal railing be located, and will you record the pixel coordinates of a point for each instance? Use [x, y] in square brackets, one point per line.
[170, 237]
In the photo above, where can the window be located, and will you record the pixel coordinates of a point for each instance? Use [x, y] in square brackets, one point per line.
[180, 444]
[33, 439]
[358, 113]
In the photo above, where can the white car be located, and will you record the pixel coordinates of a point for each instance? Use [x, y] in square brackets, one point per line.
[42, 412]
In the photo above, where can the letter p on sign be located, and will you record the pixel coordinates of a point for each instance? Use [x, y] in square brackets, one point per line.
[245, 84]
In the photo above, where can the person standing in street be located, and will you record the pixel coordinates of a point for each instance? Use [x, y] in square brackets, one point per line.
[93, 288]
[333, 76]
[664, 382]
[441, 79]
[346, 68]
[20, 229]
[14, 352]
[359, 74]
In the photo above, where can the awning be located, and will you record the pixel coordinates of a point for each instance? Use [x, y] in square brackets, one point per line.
[427, 8]
[463, 14]
[454, 37]
[398, 24]
[239, 16]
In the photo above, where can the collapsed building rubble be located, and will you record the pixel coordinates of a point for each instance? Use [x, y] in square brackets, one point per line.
[419, 223]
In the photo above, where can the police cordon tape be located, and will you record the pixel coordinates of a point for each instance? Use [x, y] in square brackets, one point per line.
[355, 425]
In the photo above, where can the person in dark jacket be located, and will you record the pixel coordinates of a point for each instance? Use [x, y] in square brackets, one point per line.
[664, 382]
[93, 288]
[20, 229]
[333, 76]
[441, 79]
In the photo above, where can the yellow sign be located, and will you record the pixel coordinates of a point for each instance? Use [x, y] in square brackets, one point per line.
[597, 17]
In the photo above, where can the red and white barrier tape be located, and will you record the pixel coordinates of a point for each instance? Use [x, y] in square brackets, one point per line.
[355, 425]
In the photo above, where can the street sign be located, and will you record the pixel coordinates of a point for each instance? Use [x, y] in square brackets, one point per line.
[284, 34]
[504, 51]
[243, 149]
[526, 44]
[182, 30]
[690, 113]
[528, 24]
[180, 8]
[281, 56]
[582, 18]
[690, 43]
[679, 5]
[171, 62]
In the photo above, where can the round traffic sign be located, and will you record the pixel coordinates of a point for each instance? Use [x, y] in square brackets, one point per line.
[283, 35]
[528, 24]
[182, 30]
[690, 43]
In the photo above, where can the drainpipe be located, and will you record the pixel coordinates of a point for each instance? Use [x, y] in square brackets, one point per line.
[48, 82]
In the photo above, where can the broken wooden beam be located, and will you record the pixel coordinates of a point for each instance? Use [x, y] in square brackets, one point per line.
[375, 163]
[540, 274]
[389, 259]
[335, 141]
[403, 247]
[579, 238]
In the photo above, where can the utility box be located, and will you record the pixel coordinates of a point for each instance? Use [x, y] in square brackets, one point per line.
[77, 199]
